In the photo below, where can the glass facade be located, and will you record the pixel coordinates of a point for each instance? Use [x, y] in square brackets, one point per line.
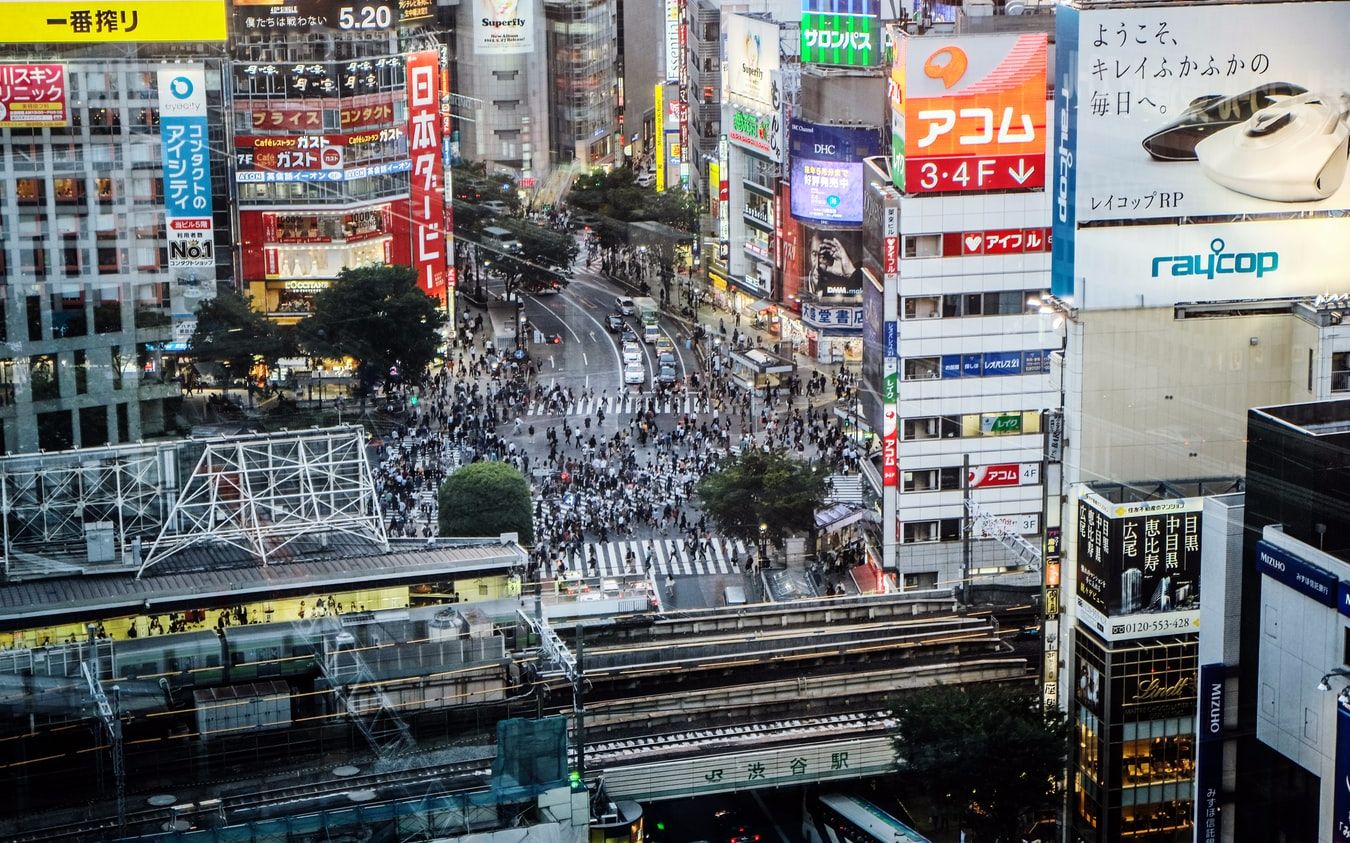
[1133, 749]
[584, 107]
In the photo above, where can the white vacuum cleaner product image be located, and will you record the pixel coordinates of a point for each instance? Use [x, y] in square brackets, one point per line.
[1294, 150]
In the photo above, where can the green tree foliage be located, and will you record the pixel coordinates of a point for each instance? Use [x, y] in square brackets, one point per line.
[230, 332]
[486, 499]
[615, 195]
[987, 756]
[763, 488]
[378, 316]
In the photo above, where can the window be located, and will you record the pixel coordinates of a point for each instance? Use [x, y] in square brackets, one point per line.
[921, 580]
[918, 532]
[923, 246]
[932, 479]
[922, 307]
[924, 428]
[922, 368]
[42, 377]
[1340, 371]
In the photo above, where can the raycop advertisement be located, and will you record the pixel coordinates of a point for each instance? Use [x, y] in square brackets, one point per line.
[1165, 124]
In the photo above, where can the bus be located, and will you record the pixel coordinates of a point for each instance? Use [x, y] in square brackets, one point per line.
[836, 818]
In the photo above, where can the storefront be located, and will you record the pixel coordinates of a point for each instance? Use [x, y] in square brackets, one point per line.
[833, 332]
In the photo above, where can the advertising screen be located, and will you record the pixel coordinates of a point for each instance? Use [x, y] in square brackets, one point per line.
[968, 113]
[1139, 565]
[1161, 265]
[415, 11]
[304, 15]
[503, 27]
[427, 199]
[752, 59]
[187, 167]
[112, 21]
[844, 33]
[1166, 124]
[833, 262]
[33, 96]
[827, 171]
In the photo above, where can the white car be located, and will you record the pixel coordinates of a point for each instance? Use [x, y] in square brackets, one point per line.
[634, 373]
[632, 353]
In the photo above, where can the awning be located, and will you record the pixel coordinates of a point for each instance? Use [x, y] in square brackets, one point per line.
[760, 305]
[838, 517]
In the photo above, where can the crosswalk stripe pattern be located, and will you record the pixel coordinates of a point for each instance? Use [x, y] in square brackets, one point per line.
[621, 405]
[669, 556]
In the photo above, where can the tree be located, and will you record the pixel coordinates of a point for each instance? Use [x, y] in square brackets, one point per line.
[230, 332]
[763, 488]
[486, 499]
[986, 755]
[378, 316]
[617, 195]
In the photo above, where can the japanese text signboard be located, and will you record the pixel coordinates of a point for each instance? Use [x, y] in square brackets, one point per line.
[187, 167]
[111, 21]
[1178, 111]
[33, 96]
[827, 171]
[427, 200]
[969, 113]
[1139, 566]
[281, 16]
[844, 33]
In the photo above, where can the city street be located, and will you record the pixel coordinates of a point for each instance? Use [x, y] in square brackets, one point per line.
[613, 466]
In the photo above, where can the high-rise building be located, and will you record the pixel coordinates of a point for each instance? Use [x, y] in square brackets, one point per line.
[114, 217]
[583, 79]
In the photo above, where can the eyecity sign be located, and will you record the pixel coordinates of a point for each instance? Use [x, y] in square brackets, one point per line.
[1217, 262]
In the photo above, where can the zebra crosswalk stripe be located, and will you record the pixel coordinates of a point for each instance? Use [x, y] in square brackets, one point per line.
[675, 557]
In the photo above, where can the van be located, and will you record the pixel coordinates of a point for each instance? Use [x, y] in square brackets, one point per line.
[650, 334]
[501, 240]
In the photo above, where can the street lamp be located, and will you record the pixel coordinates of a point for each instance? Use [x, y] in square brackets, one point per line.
[1323, 685]
[763, 544]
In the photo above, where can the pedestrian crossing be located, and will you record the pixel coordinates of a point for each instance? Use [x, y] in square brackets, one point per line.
[676, 557]
[618, 405]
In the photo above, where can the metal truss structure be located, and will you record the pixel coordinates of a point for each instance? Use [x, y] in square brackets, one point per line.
[78, 510]
[260, 493]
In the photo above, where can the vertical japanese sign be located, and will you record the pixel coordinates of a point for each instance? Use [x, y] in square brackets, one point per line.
[427, 197]
[1064, 208]
[659, 130]
[1209, 753]
[1340, 812]
[187, 167]
[969, 113]
[33, 96]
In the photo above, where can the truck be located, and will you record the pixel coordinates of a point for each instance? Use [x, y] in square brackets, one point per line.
[646, 309]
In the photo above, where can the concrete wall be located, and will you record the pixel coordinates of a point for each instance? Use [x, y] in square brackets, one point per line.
[1167, 398]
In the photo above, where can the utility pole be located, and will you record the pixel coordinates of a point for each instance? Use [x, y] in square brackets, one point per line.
[579, 705]
[967, 525]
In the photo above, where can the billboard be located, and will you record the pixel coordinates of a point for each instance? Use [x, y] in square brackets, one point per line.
[672, 41]
[427, 188]
[1139, 566]
[1209, 752]
[827, 171]
[760, 133]
[752, 60]
[833, 262]
[844, 33]
[33, 96]
[1161, 265]
[1163, 124]
[187, 167]
[1340, 800]
[415, 11]
[503, 28]
[1004, 475]
[281, 16]
[112, 21]
[968, 113]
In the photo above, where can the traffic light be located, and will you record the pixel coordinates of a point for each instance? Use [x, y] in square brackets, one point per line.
[413, 400]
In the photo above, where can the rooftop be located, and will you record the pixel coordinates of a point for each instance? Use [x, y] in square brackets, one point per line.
[1315, 418]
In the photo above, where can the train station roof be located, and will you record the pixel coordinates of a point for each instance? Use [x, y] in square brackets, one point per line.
[219, 575]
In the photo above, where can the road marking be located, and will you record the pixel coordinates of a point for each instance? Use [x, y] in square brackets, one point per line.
[553, 361]
[584, 359]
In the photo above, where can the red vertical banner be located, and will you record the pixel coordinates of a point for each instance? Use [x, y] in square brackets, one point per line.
[426, 196]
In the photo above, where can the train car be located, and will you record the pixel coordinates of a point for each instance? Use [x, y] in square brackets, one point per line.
[260, 652]
[186, 660]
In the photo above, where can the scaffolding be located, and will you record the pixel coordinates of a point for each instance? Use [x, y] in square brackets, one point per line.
[260, 493]
[94, 509]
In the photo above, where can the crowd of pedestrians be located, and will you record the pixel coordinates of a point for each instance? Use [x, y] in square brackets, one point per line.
[594, 477]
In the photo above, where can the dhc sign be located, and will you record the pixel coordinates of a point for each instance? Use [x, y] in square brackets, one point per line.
[1217, 262]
